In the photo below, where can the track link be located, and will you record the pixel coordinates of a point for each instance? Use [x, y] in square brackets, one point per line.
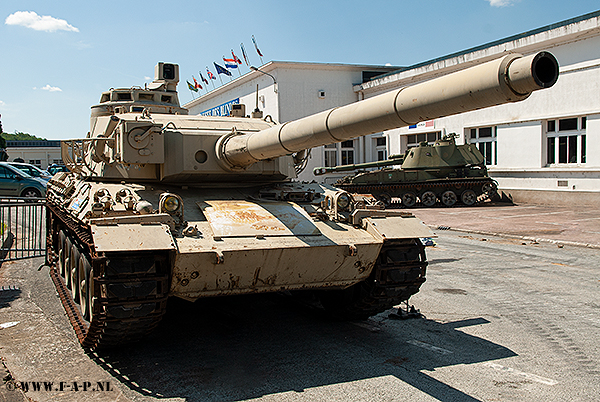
[398, 274]
[129, 290]
[397, 189]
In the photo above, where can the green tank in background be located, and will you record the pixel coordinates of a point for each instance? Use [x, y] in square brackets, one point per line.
[443, 173]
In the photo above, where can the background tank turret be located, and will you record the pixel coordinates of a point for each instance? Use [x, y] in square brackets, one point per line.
[162, 204]
[426, 174]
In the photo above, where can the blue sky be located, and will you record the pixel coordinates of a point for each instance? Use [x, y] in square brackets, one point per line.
[58, 56]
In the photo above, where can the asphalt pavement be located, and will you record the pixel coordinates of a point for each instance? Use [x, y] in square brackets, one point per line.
[573, 225]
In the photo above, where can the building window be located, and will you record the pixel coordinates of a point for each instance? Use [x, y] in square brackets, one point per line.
[381, 148]
[330, 153]
[347, 152]
[339, 154]
[413, 140]
[566, 142]
[36, 162]
[485, 140]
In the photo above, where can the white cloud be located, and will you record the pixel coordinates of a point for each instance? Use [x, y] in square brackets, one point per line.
[501, 3]
[51, 89]
[2, 103]
[147, 78]
[30, 19]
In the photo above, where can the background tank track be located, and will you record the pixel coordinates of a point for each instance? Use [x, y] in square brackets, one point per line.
[398, 189]
[129, 289]
[398, 274]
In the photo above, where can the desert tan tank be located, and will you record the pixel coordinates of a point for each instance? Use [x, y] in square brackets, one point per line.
[162, 204]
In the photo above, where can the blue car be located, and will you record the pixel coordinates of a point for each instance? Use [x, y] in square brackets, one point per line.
[16, 183]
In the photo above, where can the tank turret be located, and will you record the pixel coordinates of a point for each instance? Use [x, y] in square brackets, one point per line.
[143, 135]
[162, 204]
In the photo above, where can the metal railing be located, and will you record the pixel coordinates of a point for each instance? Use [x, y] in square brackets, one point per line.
[22, 228]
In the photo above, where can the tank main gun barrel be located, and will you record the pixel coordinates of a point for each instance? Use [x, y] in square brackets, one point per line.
[509, 79]
[393, 160]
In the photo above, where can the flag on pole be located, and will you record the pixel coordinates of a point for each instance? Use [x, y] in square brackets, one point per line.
[222, 70]
[196, 83]
[256, 46]
[237, 60]
[202, 78]
[210, 75]
[192, 87]
[229, 63]
[244, 54]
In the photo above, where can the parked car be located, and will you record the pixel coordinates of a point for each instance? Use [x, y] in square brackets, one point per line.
[32, 170]
[54, 169]
[16, 183]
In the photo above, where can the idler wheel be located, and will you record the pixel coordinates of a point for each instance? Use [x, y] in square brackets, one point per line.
[449, 198]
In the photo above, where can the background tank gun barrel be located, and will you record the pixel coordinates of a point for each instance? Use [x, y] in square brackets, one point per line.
[393, 160]
[508, 79]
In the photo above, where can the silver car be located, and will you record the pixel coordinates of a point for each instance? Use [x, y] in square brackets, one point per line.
[31, 170]
[16, 183]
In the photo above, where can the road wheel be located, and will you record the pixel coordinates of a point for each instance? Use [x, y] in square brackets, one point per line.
[67, 264]
[449, 198]
[468, 197]
[31, 193]
[62, 238]
[385, 198]
[409, 199]
[85, 287]
[74, 272]
[428, 198]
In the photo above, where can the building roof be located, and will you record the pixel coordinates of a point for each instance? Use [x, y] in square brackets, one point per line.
[274, 64]
[32, 143]
[529, 41]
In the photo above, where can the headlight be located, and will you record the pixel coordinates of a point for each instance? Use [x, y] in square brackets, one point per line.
[343, 201]
[171, 204]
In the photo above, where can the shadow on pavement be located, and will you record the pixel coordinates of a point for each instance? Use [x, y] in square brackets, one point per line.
[238, 348]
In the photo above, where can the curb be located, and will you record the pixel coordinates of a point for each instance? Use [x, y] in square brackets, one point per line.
[509, 236]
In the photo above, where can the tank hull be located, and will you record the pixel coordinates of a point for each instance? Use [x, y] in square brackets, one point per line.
[233, 243]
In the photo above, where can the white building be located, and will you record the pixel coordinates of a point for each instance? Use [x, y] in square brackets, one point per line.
[545, 149]
[39, 153]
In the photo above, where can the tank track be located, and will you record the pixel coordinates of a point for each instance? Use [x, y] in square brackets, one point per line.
[398, 274]
[396, 190]
[129, 289]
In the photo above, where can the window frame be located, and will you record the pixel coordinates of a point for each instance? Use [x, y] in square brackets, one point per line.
[487, 145]
[566, 146]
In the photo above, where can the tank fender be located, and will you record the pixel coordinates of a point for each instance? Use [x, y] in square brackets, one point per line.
[132, 236]
[396, 227]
